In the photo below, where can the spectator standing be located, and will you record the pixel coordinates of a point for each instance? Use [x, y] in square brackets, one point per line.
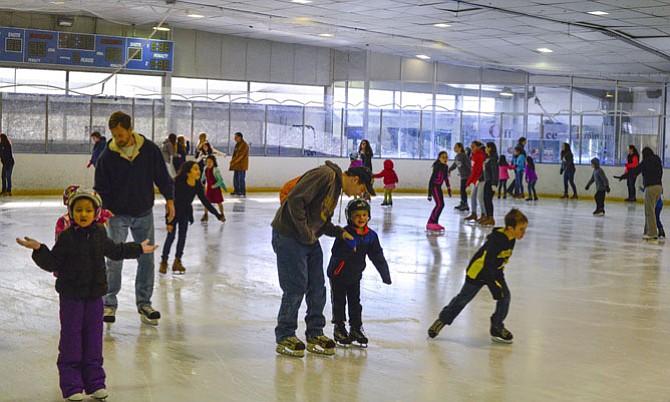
[239, 164]
[99, 142]
[7, 159]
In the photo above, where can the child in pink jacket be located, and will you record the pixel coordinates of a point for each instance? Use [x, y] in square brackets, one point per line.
[503, 175]
[390, 180]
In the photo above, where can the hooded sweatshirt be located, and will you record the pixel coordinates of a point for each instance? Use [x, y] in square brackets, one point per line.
[388, 173]
[598, 176]
[488, 263]
[305, 214]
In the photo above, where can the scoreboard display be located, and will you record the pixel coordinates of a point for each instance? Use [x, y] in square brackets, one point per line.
[86, 50]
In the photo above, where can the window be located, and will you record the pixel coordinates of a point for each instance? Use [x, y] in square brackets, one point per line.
[29, 81]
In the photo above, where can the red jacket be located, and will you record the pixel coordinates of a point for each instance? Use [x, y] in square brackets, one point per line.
[388, 173]
[477, 167]
[632, 164]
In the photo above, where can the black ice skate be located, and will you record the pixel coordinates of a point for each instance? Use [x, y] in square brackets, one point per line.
[341, 335]
[358, 335]
[501, 334]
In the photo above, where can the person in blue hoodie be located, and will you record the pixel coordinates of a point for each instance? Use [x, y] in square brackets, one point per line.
[345, 271]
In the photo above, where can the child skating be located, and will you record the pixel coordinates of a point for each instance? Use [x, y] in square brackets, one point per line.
[462, 163]
[390, 180]
[214, 185]
[440, 175]
[65, 221]
[531, 179]
[503, 175]
[602, 186]
[78, 259]
[486, 268]
[187, 186]
[345, 272]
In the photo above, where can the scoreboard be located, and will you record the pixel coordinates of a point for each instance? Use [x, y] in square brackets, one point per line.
[86, 50]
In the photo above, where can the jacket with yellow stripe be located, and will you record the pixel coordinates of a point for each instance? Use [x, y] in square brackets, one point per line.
[488, 263]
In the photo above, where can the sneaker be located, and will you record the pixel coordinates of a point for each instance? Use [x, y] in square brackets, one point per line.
[177, 268]
[148, 315]
[162, 267]
[434, 227]
[358, 336]
[435, 328]
[109, 314]
[501, 335]
[100, 394]
[321, 345]
[341, 335]
[76, 397]
[291, 346]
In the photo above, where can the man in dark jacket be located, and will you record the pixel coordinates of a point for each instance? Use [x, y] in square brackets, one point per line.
[99, 142]
[303, 217]
[125, 176]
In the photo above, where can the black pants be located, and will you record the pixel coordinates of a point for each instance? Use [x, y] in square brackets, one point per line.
[569, 178]
[341, 293]
[488, 198]
[180, 228]
[600, 201]
[464, 194]
[502, 188]
[631, 187]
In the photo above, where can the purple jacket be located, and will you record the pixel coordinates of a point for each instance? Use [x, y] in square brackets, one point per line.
[530, 174]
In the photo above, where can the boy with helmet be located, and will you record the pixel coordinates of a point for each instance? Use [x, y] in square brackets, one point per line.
[345, 271]
[78, 259]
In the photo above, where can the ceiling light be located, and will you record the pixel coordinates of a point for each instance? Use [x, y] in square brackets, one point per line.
[57, 2]
[65, 21]
[506, 91]
[195, 15]
[597, 13]
[441, 25]
[609, 95]
[544, 50]
[301, 1]
[423, 57]
[161, 28]
[326, 35]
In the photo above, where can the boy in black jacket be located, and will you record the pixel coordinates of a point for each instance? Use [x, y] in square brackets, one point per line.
[345, 271]
[486, 268]
[78, 259]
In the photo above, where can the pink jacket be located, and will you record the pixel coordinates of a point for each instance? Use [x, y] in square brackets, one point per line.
[503, 173]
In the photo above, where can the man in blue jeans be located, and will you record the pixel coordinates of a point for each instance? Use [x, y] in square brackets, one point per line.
[302, 218]
[124, 177]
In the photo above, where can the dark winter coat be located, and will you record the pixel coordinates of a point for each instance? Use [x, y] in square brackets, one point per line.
[347, 265]
[78, 259]
[97, 150]
[488, 264]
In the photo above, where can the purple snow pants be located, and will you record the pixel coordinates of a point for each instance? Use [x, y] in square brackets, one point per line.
[80, 348]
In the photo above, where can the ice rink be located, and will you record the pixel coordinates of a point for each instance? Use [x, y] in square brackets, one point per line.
[590, 312]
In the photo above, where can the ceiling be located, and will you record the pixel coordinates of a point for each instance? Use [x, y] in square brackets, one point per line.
[631, 41]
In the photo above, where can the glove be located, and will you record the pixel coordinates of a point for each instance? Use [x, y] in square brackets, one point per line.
[351, 243]
[449, 191]
[607, 190]
[586, 188]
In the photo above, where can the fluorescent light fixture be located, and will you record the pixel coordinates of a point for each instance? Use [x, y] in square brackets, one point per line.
[326, 35]
[651, 109]
[57, 2]
[609, 95]
[195, 15]
[301, 1]
[423, 57]
[441, 25]
[507, 91]
[165, 29]
[597, 13]
[65, 21]
[544, 50]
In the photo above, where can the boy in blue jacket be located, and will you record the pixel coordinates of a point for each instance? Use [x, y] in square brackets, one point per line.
[345, 272]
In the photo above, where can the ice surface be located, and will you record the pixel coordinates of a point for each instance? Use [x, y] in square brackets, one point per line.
[590, 313]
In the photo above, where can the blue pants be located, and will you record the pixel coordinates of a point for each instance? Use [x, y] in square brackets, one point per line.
[239, 181]
[141, 228]
[80, 346]
[182, 226]
[7, 177]
[467, 293]
[531, 189]
[569, 178]
[518, 182]
[300, 269]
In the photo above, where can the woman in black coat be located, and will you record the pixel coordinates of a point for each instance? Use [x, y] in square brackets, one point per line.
[7, 159]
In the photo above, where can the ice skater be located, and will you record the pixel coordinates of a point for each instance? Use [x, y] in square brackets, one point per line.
[462, 163]
[65, 221]
[213, 180]
[390, 180]
[187, 186]
[486, 268]
[345, 272]
[602, 186]
[78, 259]
[440, 175]
[531, 179]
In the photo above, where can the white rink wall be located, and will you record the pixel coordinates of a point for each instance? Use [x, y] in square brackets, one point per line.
[50, 173]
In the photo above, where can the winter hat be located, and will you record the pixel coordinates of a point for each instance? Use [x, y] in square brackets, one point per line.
[595, 162]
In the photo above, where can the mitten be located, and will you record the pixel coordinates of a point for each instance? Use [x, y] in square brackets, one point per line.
[607, 189]
[351, 243]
